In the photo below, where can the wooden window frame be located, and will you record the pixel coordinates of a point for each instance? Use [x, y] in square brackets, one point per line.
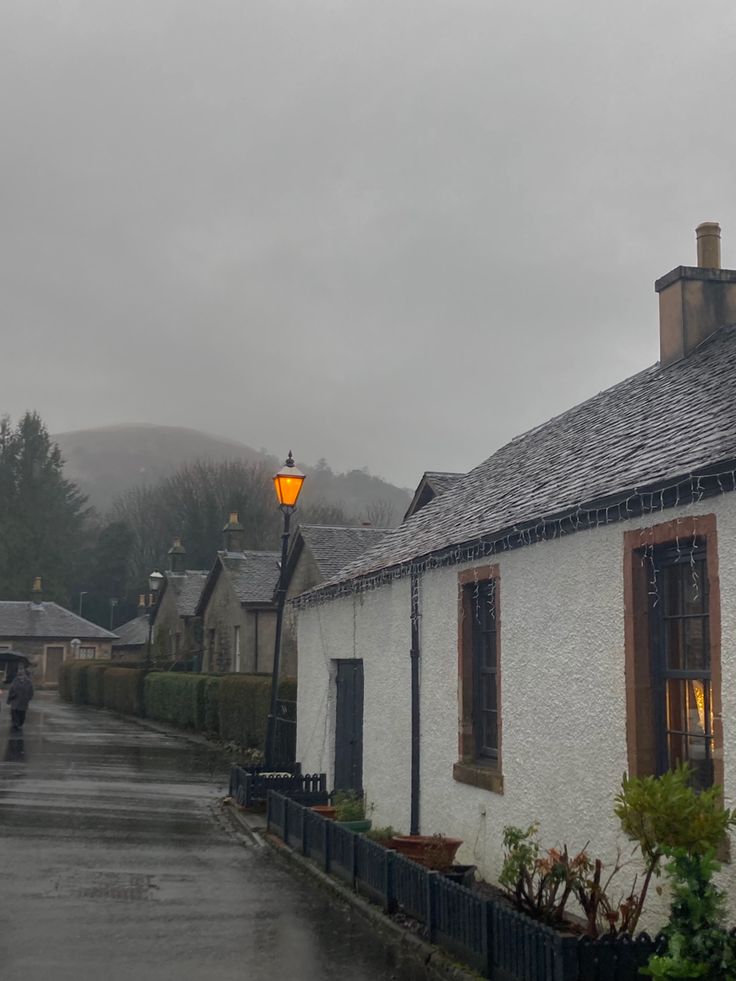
[472, 769]
[641, 737]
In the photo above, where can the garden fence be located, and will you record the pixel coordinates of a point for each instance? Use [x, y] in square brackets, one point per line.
[487, 934]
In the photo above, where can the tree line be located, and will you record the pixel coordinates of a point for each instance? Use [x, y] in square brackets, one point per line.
[102, 562]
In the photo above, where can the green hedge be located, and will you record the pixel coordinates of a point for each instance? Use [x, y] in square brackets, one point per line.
[212, 706]
[177, 698]
[245, 701]
[95, 675]
[124, 690]
[65, 680]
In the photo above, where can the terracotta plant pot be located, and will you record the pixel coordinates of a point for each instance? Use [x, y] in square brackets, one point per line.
[432, 851]
[326, 810]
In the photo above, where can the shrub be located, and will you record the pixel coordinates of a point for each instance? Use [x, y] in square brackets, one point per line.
[212, 706]
[123, 690]
[78, 685]
[65, 680]
[349, 806]
[244, 707]
[95, 675]
[176, 698]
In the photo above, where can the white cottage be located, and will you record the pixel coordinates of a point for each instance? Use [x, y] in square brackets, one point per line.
[562, 614]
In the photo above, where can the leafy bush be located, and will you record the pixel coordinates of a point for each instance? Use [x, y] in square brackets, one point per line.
[77, 682]
[348, 805]
[382, 835]
[244, 707]
[212, 706]
[177, 698]
[65, 680]
[123, 690]
[95, 675]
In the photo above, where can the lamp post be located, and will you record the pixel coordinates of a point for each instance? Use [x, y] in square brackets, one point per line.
[82, 594]
[288, 484]
[154, 584]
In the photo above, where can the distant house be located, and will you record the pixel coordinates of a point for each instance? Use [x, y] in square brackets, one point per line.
[563, 613]
[132, 636]
[47, 634]
[177, 628]
[433, 484]
[316, 553]
[237, 607]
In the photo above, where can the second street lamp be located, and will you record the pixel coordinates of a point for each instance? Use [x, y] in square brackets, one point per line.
[288, 484]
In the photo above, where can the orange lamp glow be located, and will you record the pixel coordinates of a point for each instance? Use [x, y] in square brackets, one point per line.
[288, 483]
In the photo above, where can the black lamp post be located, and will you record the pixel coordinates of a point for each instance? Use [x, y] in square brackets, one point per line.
[154, 584]
[288, 483]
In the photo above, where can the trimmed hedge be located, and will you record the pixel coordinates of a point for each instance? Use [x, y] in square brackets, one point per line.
[212, 706]
[96, 683]
[245, 700]
[176, 697]
[65, 681]
[124, 690]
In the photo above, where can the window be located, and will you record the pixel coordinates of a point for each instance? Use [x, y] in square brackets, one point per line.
[236, 646]
[87, 653]
[672, 625]
[479, 680]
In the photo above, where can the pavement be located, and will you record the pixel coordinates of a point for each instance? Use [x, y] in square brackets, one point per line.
[118, 862]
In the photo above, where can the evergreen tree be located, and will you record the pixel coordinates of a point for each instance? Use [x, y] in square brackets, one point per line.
[43, 515]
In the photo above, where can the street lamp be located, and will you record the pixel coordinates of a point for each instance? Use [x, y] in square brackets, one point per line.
[82, 594]
[288, 484]
[154, 584]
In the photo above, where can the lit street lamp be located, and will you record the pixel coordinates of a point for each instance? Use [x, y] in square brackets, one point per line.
[154, 584]
[288, 484]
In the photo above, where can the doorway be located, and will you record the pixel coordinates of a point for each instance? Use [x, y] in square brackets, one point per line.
[349, 726]
[54, 657]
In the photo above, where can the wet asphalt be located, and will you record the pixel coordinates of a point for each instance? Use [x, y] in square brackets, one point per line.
[117, 863]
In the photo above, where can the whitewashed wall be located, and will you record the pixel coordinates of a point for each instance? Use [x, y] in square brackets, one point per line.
[562, 699]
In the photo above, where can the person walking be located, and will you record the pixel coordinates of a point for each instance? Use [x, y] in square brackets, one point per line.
[19, 695]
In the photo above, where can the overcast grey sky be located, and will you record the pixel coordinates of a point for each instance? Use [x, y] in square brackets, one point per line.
[390, 233]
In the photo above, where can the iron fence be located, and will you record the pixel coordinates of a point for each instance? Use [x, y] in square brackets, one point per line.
[495, 939]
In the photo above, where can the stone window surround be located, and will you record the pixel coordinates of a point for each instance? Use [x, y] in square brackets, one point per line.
[639, 730]
[468, 769]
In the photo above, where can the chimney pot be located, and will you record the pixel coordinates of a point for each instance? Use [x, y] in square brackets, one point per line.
[708, 235]
[233, 534]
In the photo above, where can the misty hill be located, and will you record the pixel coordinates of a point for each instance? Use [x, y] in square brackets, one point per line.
[105, 462]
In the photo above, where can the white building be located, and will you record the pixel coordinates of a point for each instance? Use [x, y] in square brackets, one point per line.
[562, 614]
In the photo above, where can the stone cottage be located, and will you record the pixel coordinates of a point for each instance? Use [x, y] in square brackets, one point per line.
[562, 614]
[237, 608]
[132, 636]
[48, 634]
[177, 629]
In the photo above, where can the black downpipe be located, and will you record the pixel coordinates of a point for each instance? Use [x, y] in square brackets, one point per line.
[415, 656]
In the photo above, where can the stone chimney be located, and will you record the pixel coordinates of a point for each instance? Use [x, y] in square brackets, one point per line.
[37, 591]
[177, 557]
[233, 534]
[694, 301]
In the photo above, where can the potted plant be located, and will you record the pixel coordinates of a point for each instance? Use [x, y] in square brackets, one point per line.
[433, 851]
[350, 811]
[326, 810]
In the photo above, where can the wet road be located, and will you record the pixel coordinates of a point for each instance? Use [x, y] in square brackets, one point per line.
[116, 863]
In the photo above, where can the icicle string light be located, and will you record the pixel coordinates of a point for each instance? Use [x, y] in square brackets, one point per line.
[689, 490]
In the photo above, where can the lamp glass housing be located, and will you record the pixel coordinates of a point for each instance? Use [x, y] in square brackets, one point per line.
[288, 483]
[154, 581]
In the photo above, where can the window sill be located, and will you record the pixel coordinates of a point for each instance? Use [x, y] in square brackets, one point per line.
[478, 775]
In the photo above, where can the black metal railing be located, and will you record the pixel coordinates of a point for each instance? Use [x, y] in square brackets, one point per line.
[249, 785]
[488, 934]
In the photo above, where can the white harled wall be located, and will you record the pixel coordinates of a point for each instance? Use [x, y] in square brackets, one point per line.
[562, 692]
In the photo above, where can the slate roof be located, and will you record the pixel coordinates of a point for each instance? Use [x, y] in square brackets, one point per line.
[659, 425]
[134, 633]
[187, 588]
[433, 484]
[254, 575]
[333, 547]
[24, 619]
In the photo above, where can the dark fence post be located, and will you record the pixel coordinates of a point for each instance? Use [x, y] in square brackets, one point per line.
[431, 914]
[354, 857]
[285, 835]
[305, 833]
[389, 889]
[566, 959]
[268, 810]
[328, 844]
[487, 938]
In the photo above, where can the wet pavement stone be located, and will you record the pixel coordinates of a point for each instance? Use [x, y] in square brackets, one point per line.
[117, 864]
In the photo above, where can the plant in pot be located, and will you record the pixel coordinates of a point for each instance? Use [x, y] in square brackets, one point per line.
[326, 810]
[435, 852]
[350, 811]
